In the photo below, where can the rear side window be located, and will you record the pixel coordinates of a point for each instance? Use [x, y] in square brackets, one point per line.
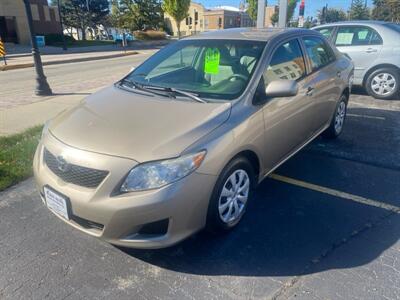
[326, 32]
[319, 53]
[287, 62]
[357, 36]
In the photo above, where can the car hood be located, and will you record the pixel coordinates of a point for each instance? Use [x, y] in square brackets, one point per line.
[135, 125]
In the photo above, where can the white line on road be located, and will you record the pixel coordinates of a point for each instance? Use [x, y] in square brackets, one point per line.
[366, 116]
[336, 193]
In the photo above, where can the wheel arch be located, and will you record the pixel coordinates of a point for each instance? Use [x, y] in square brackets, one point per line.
[374, 68]
[254, 160]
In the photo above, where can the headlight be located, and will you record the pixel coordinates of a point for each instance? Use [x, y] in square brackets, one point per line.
[157, 174]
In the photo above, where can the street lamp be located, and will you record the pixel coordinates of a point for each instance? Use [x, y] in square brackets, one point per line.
[42, 87]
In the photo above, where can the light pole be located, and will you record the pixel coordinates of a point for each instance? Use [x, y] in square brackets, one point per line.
[62, 26]
[260, 13]
[282, 13]
[42, 87]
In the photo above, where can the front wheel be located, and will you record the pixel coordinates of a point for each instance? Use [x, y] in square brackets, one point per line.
[230, 196]
[383, 83]
[336, 126]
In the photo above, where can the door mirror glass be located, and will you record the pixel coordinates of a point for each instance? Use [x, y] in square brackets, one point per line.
[282, 88]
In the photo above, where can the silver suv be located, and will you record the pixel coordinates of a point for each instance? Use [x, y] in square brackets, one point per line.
[374, 47]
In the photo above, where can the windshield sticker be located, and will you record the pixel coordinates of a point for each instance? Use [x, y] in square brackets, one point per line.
[211, 63]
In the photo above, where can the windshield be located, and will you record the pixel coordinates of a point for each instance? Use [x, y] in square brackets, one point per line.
[217, 69]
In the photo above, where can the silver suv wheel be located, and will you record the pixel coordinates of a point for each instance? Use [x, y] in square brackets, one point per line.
[383, 84]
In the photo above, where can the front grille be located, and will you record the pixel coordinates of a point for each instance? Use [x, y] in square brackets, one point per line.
[71, 173]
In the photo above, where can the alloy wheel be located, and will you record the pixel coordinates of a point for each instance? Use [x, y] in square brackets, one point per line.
[383, 84]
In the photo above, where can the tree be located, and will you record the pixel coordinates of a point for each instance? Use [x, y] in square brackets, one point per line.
[83, 14]
[252, 7]
[386, 10]
[330, 15]
[289, 15]
[178, 10]
[359, 11]
[381, 11]
[136, 14]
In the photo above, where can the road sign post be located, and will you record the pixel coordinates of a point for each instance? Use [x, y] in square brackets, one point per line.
[3, 52]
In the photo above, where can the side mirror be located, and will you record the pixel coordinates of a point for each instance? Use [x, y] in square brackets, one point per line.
[281, 88]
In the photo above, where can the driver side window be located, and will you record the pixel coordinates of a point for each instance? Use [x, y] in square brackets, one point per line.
[287, 62]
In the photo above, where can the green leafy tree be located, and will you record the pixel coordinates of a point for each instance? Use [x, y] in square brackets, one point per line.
[83, 14]
[178, 10]
[386, 10]
[136, 14]
[331, 15]
[358, 10]
[292, 4]
[252, 6]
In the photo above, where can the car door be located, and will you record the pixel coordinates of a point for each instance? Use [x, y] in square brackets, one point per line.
[288, 120]
[324, 79]
[363, 44]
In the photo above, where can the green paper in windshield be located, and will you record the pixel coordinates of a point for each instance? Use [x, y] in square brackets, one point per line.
[211, 62]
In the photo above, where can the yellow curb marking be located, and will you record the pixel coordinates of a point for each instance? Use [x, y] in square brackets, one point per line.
[336, 193]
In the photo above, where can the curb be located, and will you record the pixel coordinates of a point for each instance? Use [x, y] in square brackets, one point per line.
[71, 60]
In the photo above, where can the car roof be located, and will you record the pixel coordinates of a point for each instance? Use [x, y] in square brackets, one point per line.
[252, 34]
[354, 22]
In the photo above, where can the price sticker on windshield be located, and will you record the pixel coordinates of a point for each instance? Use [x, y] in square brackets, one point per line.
[211, 64]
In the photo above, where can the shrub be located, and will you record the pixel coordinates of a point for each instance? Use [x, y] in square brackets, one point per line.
[149, 35]
[56, 38]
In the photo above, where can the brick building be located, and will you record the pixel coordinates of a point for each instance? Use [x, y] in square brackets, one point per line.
[201, 19]
[13, 22]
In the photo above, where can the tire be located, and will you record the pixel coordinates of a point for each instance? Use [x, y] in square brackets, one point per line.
[383, 83]
[216, 223]
[338, 119]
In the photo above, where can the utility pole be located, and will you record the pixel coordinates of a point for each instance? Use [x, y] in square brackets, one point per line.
[260, 13]
[282, 13]
[42, 87]
[62, 26]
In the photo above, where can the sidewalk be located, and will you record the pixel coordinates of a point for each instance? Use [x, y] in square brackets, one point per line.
[20, 118]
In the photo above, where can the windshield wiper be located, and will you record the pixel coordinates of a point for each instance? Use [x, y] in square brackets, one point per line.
[140, 87]
[176, 91]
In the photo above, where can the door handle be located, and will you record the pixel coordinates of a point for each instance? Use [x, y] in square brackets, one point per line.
[310, 91]
[370, 50]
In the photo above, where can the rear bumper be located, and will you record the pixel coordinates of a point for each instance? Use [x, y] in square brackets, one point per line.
[181, 207]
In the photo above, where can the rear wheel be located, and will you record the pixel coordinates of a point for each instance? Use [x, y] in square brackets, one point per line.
[383, 83]
[336, 126]
[232, 191]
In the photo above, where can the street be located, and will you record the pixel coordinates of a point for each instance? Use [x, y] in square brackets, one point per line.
[17, 85]
[325, 225]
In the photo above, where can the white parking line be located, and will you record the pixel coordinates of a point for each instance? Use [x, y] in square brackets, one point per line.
[336, 193]
[366, 116]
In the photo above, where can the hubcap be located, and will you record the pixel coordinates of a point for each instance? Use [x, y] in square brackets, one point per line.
[383, 84]
[340, 116]
[233, 197]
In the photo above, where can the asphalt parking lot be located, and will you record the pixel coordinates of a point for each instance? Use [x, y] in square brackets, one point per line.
[326, 225]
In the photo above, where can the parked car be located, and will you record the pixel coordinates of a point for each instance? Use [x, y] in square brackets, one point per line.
[374, 47]
[180, 142]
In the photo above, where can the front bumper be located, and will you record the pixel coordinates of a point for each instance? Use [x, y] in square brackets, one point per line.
[119, 219]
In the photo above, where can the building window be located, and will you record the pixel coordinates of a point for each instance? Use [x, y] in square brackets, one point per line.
[35, 12]
[46, 13]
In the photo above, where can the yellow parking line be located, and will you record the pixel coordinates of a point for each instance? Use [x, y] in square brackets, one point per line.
[366, 116]
[336, 193]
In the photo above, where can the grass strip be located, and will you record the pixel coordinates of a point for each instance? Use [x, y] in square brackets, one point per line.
[16, 156]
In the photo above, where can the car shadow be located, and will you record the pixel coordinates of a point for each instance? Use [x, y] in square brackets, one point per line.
[288, 228]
